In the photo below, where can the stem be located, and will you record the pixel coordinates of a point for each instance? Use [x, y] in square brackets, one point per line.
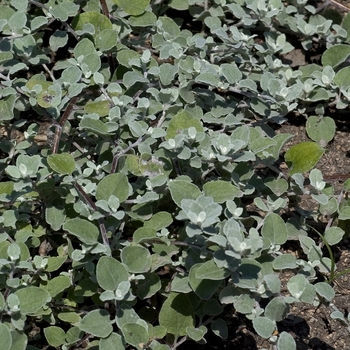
[92, 205]
[121, 153]
[331, 256]
[63, 120]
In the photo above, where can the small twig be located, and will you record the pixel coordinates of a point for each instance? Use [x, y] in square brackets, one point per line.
[121, 153]
[61, 123]
[105, 11]
[92, 205]
[49, 72]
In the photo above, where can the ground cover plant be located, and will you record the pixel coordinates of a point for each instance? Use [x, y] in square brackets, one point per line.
[158, 199]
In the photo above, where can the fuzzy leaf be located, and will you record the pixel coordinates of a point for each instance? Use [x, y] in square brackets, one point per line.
[275, 229]
[135, 334]
[113, 184]
[182, 121]
[180, 190]
[320, 129]
[85, 230]
[341, 78]
[101, 108]
[335, 55]
[333, 235]
[97, 323]
[285, 261]
[5, 337]
[62, 163]
[264, 326]
[286, 342]
[55, 217]
[276, 309]
[176, 314]
[221, 191]
[136, 258]
[132, 7]
[210, 271]
[110, 272]
[196, 333]
[325, 291]
[32, 299]
[113, 342]
[55, 336]
[204, 288]
[98, 20]
[57, 285]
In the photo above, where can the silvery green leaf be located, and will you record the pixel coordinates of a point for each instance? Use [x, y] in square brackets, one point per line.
[131, 78]
[273, 283]
[167, 73]
[113, 341]
[196, 333]
[96, 322]
[169, 29]
[58, 39]
[325, 291]
[333, 235]
[137, 259]
[106, 39]
[286, 342]
[320, 129]
[277, 186]
[231, 73]
[276, 309]
[275, 229]
[176, 314]
[244, 304]
[285, 261]
[264, 326]
[296, 285]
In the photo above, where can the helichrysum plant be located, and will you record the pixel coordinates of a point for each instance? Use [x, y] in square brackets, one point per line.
[144, 214]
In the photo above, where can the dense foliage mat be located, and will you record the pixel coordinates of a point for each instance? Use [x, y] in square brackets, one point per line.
[157, 199]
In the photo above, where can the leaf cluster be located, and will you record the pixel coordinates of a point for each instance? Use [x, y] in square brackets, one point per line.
[155, 201]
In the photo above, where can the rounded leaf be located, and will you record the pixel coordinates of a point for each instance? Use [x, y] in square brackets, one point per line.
[335, 55]
[135, 334]
[276, 309]
[55, 336]
[286, 342]
[85, 230]
[32, 299]
[176, 314]
[5, 337]
[97, 323]
[113, 184]
[333, 235]
[264, 326]
[180, 189]
[182, 121]
[320, 129]
[136, 258]
[113, 342]
[221, 191]
[204, 288]
[62, 163]
[133, 7]
[110, 272]
[325, 291]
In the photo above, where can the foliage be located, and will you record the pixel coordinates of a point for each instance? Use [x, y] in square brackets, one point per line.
[145, 213]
